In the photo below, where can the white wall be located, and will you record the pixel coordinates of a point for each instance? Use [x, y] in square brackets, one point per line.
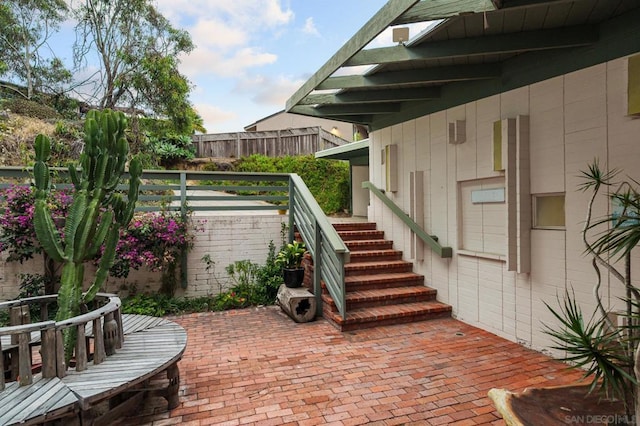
[573, 119]
[225, 239]
[359, 195]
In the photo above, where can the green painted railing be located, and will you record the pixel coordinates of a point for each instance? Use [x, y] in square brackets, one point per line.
[430, 240]
[329, 252]
[181, 190]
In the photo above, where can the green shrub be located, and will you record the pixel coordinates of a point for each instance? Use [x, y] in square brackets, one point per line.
[30, 109]
[172, 148]
[327, 180]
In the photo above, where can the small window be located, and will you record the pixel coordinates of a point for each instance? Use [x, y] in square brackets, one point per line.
[548, 211]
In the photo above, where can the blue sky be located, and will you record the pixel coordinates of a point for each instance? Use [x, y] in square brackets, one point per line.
[251, 55]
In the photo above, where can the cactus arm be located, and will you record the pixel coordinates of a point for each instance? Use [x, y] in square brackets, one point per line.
[74, 217]
[105, 263]
[46, 231]
[101, 234]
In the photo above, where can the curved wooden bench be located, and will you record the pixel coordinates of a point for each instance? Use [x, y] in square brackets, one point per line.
[153, 346]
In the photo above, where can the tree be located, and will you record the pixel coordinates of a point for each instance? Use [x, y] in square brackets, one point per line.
[137, 49]
[27, 26]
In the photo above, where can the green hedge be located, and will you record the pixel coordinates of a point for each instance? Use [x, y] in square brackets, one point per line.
[327, 180]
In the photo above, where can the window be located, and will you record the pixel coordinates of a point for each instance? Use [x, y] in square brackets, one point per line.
[548, 211]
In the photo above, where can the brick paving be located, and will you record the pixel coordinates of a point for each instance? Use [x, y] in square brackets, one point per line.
[257, 367]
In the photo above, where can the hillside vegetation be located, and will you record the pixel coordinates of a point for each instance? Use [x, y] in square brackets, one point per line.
[153, 141]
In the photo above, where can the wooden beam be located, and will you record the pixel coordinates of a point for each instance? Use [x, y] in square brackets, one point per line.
[356, 109]
[582, 35]
[365, 96]
[428, 75]
[378, 23]
[618, 37]
[442, 9]
[307, 110]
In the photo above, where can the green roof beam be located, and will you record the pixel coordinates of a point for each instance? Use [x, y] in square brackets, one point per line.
[430, 75]
[442, 9]
[365, 96]
[582, 35]
[358, 109]
[378, 23]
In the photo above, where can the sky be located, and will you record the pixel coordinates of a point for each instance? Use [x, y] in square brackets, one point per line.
[252, 55]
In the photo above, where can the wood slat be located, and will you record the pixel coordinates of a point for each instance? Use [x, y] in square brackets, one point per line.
[153, 345]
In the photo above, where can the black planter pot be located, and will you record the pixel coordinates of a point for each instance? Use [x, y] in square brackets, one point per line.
[293, 277]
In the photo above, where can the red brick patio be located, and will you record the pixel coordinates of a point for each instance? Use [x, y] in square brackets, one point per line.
[258, 367]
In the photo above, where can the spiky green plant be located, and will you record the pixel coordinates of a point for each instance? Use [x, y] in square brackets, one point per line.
[97, 213]
[609, 353]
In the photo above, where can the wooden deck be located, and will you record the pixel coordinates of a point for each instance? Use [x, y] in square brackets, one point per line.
[152, 345]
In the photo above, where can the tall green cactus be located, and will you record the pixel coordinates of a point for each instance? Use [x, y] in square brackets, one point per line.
[97, 213]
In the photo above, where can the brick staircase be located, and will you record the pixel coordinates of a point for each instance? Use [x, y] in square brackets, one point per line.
[382, 289]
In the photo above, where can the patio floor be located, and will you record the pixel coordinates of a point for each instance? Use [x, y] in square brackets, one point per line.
[257, 367]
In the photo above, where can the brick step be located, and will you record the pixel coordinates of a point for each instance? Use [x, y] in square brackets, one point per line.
[375, 255]
[354, 226]
[358, 319]
[377, 281]
[371, 268]
[361, 235]
[358, 245]
[383, 297]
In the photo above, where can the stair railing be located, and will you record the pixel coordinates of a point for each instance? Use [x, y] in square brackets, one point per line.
[430, 240]
[329, 252]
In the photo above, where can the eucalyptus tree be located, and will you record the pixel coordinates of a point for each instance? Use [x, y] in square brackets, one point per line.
[25, 54]
[138, 50]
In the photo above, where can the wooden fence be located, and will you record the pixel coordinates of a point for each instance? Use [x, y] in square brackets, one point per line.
[272, 143]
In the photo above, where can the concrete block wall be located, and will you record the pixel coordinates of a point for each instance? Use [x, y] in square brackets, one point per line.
[225, 239]
[572, 120]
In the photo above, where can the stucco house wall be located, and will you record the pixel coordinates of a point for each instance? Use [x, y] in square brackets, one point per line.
[572, 119]
[225, 239]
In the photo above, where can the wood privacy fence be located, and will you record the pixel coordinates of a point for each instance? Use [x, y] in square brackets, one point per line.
[272, 143]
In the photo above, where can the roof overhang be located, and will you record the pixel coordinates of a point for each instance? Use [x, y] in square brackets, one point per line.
[355, 152]
[480, 48]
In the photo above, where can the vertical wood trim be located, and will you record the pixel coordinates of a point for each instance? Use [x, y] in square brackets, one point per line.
[24, 359]
[509, 157]
[61, 367]
[48, 352]
[524, 195]
[81, 348]
[416, 184]
[1, 368]
[99, 353]
[633, 85]
[391, 167]
[117, 316]
[497, 146]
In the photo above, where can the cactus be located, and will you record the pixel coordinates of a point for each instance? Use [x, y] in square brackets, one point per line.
[97, 213]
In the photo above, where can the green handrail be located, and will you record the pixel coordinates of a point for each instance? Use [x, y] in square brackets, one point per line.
[432, 241]
[329, 252]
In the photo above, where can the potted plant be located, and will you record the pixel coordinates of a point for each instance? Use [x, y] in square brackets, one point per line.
[290, 259]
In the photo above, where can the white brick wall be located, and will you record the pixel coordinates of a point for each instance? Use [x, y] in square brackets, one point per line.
[225, 239]
[573, 119]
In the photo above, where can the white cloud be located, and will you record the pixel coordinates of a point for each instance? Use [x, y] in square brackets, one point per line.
[209, 61]
[226, 33]
[310, 27]
[249, 15]
[213, 115]
[265, 90]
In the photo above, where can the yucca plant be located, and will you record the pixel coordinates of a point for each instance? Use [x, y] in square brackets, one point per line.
[608, 353]
[97, 213]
